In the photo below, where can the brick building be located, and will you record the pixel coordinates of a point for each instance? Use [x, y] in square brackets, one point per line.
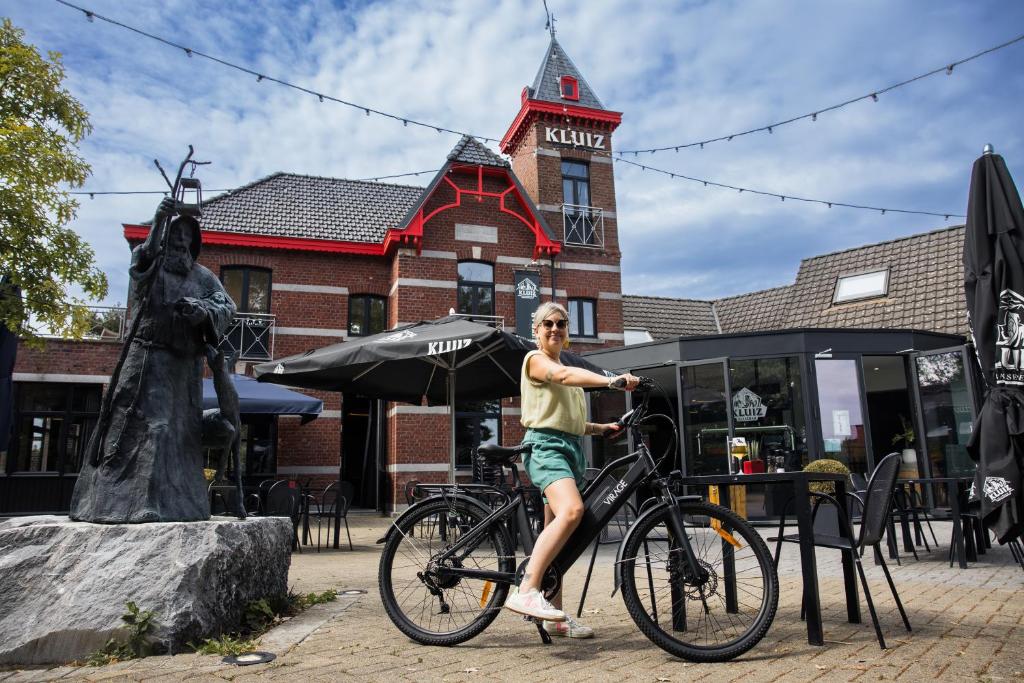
[312, 261]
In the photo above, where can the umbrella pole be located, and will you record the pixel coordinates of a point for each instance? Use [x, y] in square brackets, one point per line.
[451, 425]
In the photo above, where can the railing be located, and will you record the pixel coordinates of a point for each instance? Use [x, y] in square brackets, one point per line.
[497, 321]
[106, 323]
[583, 225]
[250, 337]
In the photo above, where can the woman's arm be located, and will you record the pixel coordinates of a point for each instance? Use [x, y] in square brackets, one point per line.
[543, 369]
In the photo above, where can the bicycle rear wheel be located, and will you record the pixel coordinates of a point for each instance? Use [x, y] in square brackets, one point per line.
[711, 620]
[425, 604]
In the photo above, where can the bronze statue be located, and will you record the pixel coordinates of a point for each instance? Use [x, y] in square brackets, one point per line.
[144, 461]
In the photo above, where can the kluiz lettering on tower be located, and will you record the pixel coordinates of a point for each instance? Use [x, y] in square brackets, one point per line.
[1010, 339]
[577, 138]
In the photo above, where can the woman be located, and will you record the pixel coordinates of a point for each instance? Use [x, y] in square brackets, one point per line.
[554, 413]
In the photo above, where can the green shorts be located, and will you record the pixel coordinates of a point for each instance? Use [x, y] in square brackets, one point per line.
[555, 455]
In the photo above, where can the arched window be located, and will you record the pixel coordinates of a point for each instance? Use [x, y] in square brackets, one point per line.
[248, 287]
[476, 288]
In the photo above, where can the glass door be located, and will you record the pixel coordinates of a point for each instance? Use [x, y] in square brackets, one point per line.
[946, 411]
[841, 413]
[707, 420]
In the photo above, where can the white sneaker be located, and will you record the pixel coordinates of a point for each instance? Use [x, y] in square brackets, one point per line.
[532, 604]
[569, 628]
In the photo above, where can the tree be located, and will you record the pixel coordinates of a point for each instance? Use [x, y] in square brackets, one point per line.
[41, 124]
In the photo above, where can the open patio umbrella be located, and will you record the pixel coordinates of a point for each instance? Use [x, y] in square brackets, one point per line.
[441, 360]
[994, 285]
[265, 399]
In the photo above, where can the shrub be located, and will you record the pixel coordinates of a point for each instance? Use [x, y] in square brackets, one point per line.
[139, 623]
[827, 466]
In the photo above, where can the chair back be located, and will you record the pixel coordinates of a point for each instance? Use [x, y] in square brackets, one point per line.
[859, 481]
[346, 490]
[283, 501]
[878, 500]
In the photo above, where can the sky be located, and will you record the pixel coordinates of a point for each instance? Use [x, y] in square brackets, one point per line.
[678, 71]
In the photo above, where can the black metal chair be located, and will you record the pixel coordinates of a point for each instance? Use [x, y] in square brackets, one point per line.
[876, 507]
[285, 500]
[333, 505]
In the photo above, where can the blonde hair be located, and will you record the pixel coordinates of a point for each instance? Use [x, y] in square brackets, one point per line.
[542, 312]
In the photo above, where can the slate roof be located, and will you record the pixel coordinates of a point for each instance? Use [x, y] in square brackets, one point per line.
[664, 317]
[546, 85]
[925, 293]
[312, 207]
[472, 151]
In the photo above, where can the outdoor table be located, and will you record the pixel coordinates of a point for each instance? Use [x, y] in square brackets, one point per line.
[956, 487]
[798, 483]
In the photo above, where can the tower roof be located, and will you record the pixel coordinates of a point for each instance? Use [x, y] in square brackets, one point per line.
[547, 84]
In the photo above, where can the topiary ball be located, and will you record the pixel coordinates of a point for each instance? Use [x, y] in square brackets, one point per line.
[828, 466]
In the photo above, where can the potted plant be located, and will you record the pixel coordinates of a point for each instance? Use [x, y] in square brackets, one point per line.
[827, 519]
[905, 438]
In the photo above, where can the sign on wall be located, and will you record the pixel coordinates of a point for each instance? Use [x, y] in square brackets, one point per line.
[578, 138]
[527, 290]
[747, 406]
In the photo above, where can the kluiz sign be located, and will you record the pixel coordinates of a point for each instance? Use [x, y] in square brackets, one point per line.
[578, 138]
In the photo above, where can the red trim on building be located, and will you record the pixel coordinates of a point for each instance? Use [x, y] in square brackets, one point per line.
[534, 109]
[140, 232]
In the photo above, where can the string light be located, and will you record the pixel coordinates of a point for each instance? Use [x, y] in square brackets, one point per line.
[191, 52]
[813, 116]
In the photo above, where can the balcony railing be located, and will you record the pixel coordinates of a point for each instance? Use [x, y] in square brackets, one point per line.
[250, 337]
[583, 225]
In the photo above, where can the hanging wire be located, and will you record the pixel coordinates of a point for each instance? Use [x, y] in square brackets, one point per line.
[813, 116]
[405, 120]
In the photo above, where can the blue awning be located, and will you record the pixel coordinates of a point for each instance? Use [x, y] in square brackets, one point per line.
[266, 399]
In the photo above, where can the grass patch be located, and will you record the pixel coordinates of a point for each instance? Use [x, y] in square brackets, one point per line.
[227, 645]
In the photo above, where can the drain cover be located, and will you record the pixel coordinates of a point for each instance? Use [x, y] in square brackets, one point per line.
[250, 658]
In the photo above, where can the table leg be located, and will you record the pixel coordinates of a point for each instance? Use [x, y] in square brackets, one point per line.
[849, 569]
[808, 564]
[908, 541]
[958, 527]
[728, 559]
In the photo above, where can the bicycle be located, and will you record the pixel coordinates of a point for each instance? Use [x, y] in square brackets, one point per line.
[696, 578]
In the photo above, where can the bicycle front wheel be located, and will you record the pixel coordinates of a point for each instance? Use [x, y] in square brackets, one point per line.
[713, 617]
[427, 604]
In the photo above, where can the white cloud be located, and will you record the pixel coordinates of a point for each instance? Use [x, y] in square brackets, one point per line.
[678, 72]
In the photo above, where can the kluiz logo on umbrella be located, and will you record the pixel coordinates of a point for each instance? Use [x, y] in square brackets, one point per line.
[446, 346]
[1010, 343]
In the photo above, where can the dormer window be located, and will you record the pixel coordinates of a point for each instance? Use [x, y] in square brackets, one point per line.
[570, 88]
[861, 286]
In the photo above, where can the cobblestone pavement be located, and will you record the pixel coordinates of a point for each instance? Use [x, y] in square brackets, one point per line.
[968, 626]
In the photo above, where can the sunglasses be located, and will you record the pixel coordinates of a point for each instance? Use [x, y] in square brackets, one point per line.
[560, 323]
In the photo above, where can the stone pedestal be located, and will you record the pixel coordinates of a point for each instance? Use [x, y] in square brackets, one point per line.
[64, 584]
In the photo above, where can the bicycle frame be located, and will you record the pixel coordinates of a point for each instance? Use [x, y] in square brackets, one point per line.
[602, 499]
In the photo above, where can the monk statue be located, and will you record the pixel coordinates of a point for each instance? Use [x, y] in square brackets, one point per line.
[144, 461]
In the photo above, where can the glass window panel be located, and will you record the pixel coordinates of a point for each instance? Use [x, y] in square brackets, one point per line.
[86, 398]
[589, 323]
[356, 315]
[948, 419]
[706, 419]
[465, 302]
[568, 194]
[378, 321]
[233, 279]
[259, 291]
[575, 169]
[34, 397]
[862, 286]
[474, 271]
[79, 430]
[39, 444]
[582, 193]
[484, 301]
[842, 425]
[574, 317]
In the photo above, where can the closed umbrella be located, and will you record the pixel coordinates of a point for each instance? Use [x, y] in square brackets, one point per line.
[8, 352]
[994, 285]
[438, 359]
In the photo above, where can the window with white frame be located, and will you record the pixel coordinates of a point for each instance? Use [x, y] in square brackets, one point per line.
[861, 286]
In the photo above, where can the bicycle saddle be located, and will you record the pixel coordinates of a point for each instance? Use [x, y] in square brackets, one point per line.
[501, 455]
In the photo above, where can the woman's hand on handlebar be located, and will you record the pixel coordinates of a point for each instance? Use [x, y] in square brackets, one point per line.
[608, 430]
[624, 382]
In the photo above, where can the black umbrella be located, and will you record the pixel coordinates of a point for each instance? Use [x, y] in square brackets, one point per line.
[8, 352]
[994, 284]
[255, 398]
[438, 359]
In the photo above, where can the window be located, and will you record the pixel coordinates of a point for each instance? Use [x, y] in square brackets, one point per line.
[257, 450]
[636, 335]
[570, 88]
[476, 288]
[476, 423]
[580, 218]
[863, 286]
[248, 287]
[576, 183]
[582, 317]
[52, 428]
[367, 314]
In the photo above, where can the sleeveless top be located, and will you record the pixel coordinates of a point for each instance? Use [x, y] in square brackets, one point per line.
[549, 405]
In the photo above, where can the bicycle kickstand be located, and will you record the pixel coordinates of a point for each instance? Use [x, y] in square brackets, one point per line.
[539, 623]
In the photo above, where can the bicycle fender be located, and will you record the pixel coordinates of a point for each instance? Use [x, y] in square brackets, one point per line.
[393, 529]
[654, 509]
